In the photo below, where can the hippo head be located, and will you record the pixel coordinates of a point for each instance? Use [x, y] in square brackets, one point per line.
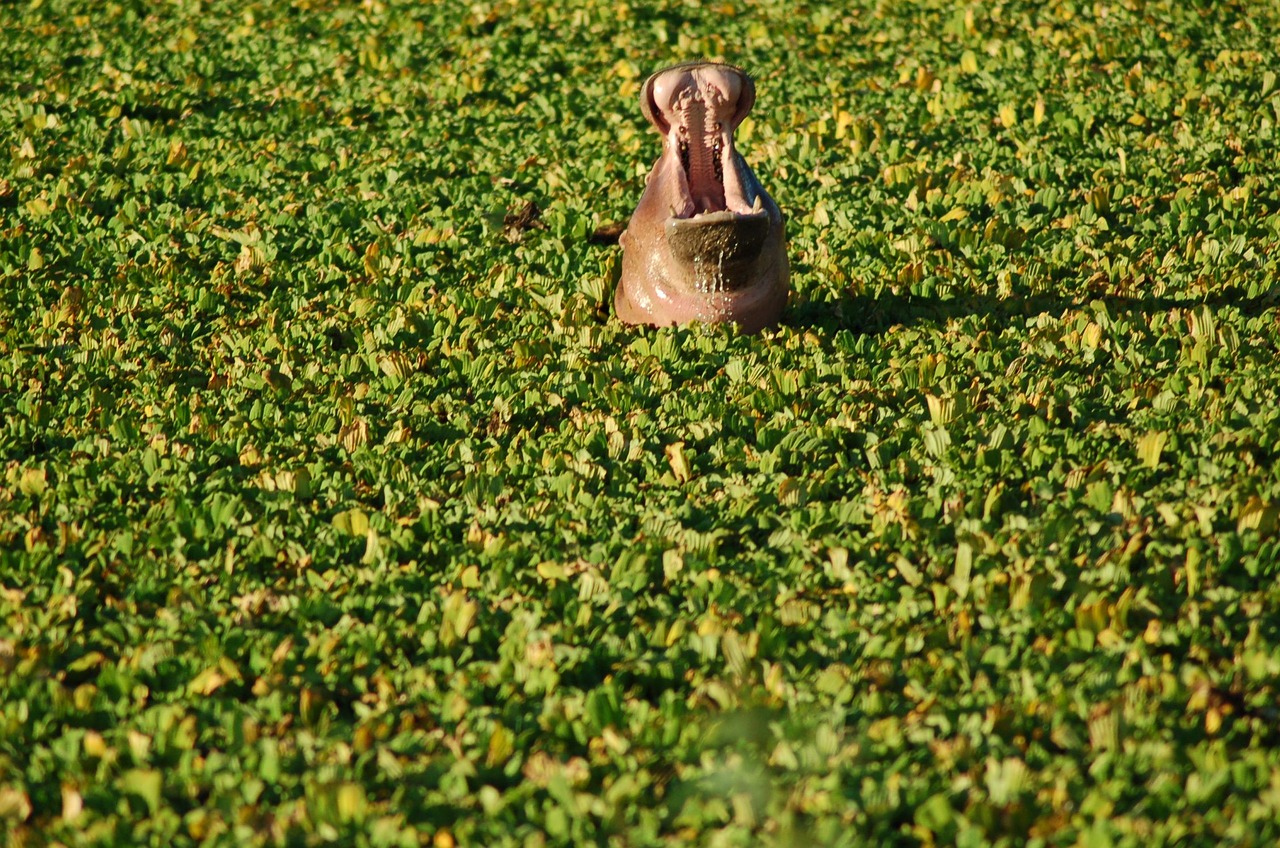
[706, 242]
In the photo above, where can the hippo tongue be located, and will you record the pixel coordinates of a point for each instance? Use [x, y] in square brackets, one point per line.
[698, 107]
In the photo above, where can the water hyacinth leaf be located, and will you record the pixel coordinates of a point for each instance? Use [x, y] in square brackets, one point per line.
[1257, 514]
[15, 806]
[146, 784]
[457, 618]
[354, 522]
[962, 576]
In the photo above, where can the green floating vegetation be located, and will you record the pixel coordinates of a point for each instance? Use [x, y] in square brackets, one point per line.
[335, 508]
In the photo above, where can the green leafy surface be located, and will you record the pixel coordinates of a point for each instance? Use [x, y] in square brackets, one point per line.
[335, 506]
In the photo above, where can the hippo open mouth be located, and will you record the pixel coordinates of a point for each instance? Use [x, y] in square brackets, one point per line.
[720, 214]
[706, 241]
[697, 107]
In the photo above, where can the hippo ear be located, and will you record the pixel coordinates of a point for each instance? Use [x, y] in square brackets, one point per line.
[652, 110]
[746, 99]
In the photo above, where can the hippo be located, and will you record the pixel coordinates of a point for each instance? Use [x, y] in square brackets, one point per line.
[706, 242]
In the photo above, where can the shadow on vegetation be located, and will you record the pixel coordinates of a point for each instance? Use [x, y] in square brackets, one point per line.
[879, 311]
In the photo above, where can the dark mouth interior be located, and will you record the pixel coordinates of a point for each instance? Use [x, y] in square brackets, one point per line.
[706, 191]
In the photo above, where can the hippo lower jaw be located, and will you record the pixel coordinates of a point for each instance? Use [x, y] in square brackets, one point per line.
[706, 241]
[720, 247]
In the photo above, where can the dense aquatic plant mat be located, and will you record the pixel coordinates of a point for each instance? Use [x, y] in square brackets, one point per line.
[335, 507]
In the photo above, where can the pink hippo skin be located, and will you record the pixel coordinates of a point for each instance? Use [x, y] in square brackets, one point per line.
[706, 242]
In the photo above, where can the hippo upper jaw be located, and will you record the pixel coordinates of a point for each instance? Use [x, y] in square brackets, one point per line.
[697, 107]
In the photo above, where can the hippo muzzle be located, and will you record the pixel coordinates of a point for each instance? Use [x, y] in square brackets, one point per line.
[706, 242]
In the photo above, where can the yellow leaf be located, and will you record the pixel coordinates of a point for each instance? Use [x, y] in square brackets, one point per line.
[501, 746]
[354, 435]
[72, 803]
[351, 803]
[394, 364]
[33, 481]
[94, 744]
[625, 69]
[459, 614]
[844, 120]
[372, 266]
[1151, 446]
[352, 521]
[679, 464]
[550, 570]
[139, 746]
[942, 410]
[15, 806]
[790, 492]
[1258, 515]
[208, 681]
